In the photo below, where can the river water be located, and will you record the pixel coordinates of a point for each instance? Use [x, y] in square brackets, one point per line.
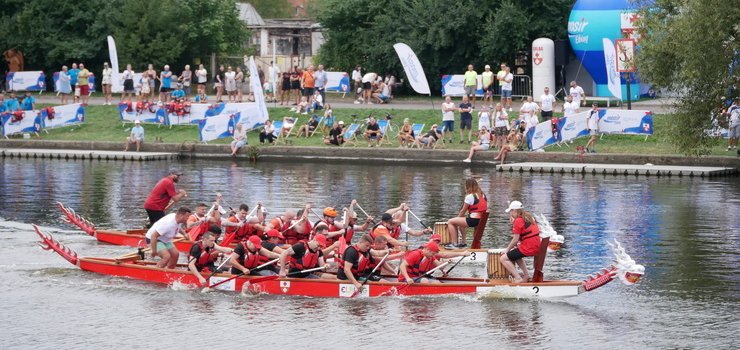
[683, 230]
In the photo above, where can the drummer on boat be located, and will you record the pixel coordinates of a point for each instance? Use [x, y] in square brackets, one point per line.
[249, 254]
[161, 234]
[204, 253]
[474, 204]
[525, 241]
[304, 255]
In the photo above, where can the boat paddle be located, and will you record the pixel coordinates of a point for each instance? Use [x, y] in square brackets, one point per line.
[217, 268]
[274, 277]
[208, 288]
[454, 265]
[357, 291]
[362, 210]
[417, 218]
[227, 240]
[417, 279]
[291, 226]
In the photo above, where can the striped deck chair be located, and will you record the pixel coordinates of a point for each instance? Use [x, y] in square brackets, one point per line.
[350, 134]
[287, 126]
[384, 124]
[321, 119]
[278, 125]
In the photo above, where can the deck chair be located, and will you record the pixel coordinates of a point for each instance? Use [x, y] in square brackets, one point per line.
[384, 125]
[318, 126]
[288, 123]
[277, 125]
[441, 129]
[350, 135]
[416, 130]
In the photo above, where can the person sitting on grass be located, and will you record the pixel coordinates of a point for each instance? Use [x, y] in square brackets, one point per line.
[318, 102]
[137, 136]
[336, 135]
[201, 98]
[483, 143]
[329, 118]
[302, 106]
[268, 132]
[178, 95]
[406, 134]
[372, 132]
[429, 139]
[240, 139]
[309, 127]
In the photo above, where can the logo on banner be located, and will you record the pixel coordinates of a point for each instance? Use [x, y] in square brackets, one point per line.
[537, 55]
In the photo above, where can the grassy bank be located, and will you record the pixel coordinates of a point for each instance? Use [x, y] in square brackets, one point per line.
[102, 124]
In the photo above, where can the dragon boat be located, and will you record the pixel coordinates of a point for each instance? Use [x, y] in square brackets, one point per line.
[497, 284]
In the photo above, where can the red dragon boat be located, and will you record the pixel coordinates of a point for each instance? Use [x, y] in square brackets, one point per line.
[625, 269]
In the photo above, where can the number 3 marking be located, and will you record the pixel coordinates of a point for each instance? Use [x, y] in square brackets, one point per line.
[536, 289]
[472, 256]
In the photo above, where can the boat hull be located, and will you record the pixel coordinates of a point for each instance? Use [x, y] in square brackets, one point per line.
[135, 238]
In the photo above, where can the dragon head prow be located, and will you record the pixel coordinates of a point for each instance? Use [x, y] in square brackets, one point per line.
[628, 271]
[546, 230]
[49, 243]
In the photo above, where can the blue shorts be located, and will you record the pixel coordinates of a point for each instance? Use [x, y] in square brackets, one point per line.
[384, 97]
[240, 144]
[449, 125]
[506, 93]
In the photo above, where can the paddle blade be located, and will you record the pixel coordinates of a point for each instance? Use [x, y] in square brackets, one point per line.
[342, 245]
[228, 239]
[198, 231]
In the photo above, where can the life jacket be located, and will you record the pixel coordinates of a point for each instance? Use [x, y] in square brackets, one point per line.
[419, 268]
[251, 259]
[394, 233]
[480, 204]
[206, 258]
[331, 240]
[241, 232]
[530, 230]
[362, 264]
[373, 233]
[308, 261]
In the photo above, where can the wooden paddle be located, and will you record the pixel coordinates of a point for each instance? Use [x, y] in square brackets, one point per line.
[454, 265]
[357, 291]
[417, 218]
[206, 289]
[417, 279]
[227, 240]
[274, 277]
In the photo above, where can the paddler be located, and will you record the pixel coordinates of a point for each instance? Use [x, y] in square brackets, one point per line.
[249, 254]
[525, 241]
[161, 234]
[474, 204]
[282, 222]
[304, 255]
[204, 253]
[391, 231]
[272, 241]
[355, 261]
[420, 261]
[243, 226]
[163, 196]
[197, 217]
[300, 230]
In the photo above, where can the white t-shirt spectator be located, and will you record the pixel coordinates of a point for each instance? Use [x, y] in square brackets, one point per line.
[577, 93]
[369, 77]
[167, 228]
[593, 120]
[448, 111]
[507, 82]
[570, 108]
[528, 108]
[484, 119]
[532, 121]
[500, 119]
[547, 102]
[734, 111]
[356, 75]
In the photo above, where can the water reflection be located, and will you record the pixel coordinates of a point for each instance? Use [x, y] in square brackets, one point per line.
[418, 311]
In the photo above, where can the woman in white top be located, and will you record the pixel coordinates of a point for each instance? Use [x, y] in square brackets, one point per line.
[107, 81]
[500, 124]
[240, 139]
[128, 83]
[239, 84]
[201, 76]
[64, 87]
[145, 86]
[230, 84]
[483, 144]
[268, 132]
[484, 118]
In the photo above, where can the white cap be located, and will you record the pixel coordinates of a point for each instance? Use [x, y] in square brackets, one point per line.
[341, 122]
[137, 121]
[487, 67]
[514, 205]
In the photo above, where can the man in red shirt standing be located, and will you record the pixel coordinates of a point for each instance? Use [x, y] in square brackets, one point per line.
[163, 196]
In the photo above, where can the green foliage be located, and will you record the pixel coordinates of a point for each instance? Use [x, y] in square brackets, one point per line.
[272, 8]
[53, 33]
[686, 49]
[446, 35]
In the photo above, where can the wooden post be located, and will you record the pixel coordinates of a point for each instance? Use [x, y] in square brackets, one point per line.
[539, 261]
[478, 233]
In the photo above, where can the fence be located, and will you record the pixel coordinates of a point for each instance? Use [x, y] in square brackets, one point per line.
[452, 85]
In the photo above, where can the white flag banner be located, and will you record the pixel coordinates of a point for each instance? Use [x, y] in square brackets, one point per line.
[256, 86]
[217, 127]
[610, 60]
[413, 68]
[116, 84]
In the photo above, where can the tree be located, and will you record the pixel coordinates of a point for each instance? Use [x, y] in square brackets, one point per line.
[690, 48]
[446, 35]
[272, 8]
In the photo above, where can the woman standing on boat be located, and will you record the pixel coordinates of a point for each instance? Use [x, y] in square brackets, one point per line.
[474, 204]
[525, 241]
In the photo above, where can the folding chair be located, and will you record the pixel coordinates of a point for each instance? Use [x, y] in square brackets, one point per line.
[350, 134]
[441, 130]
[321, 119]
[277, 126]
[383, 125]
[417, 129]
[287, 125]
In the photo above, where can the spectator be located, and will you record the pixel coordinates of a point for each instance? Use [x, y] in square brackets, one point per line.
[579, 97]
[2, 102]
[510, 145]
[336, 134]
[483, 144]
[239, 78]
[145, 86]
[487, 80]
[547, 104]
[328, 115]
[64, 86]
[136, 136]
[178, 95]
[506, 87]
[240, 138]
[295, 84]
[268, 132]
[318, 102]
[128, 83]
[106, 82]
[390, 80]
[11, 104]
[285, 88]
[29, 102]
[309, 127]
[83, 83]
[570, 107]
[500, 124]
[357, 81]
[734, 125]
[218, 85]
[484, 118]
[406, 134]
[186, 79]
[471, 84]
[429, 139]
[321, 81]
[308, 83]
[500, 75]
[302, 107]
[383, 93]
[448, 118]
[73, 80]
[372, 132]
[528, 112]
[201, 76]
[152, 79]
[274, 73]
[466, 118]
[230, 84]
[201, 97]
[367, 86]
[269, 93]
[593, 128]
[165, 80]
